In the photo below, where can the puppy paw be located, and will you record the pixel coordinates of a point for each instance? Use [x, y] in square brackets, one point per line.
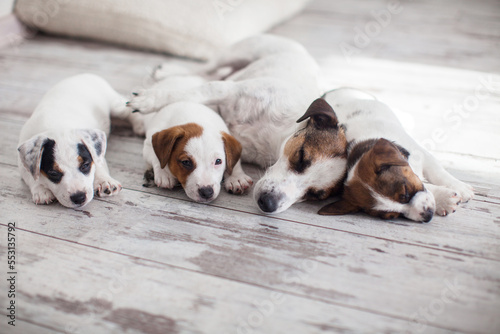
[42, 195]
[164, 180]
[238, 183]
[107, 187]
[144, 101]
[166, 70]
[447, 201]
[465, 191]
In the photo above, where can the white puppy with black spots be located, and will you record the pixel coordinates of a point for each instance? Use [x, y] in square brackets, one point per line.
[62, 145]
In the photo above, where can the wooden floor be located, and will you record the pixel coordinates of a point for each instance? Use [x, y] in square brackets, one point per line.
[152, 261]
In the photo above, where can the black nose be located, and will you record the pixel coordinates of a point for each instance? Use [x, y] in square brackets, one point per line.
[78, 197]
[206, 192]
[427, 215]
[268, 202]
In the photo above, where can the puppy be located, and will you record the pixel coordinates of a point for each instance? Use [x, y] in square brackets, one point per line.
[189, 143]
[389, 174]
[62, 145]
[260, 87]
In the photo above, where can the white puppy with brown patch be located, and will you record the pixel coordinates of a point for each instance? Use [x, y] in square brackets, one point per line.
[189, 143]
[389, 174]
[62, 145]
[260, 87]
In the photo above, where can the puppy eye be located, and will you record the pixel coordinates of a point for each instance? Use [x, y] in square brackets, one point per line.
[405, 198]
[218, 161]
[85, 167]
[54, 175]
[188, 164]
[382, 169]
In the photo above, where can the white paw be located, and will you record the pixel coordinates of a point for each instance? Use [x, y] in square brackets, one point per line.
[166, 70]
[106, 187]
[144, 101]
[164, 179]
[465, 191]
[447, 201]
[42, 195]
[237, 183]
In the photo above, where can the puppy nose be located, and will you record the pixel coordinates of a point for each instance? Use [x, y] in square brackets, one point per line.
[78, 197]
[267, 202]
[206, 192]
[427, 215]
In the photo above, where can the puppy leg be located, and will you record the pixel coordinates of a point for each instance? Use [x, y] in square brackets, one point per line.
[120, 110]
[237, 182]
[447, 200]
[39, 193]
[166, 70]
[150, 100]
[162, 177]
[104, 184]
[434, 173]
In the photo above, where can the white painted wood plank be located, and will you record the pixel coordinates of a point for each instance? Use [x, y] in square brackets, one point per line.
[350, 270]
[74, 288]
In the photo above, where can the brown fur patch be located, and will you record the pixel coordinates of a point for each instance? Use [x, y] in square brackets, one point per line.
[169, 147]
[310, 145]
[385, 170]
[233, 149]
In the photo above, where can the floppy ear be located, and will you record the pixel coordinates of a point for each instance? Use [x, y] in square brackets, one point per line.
[341, 207]
[96, 143]
[164, 142]
[30, 154]
[386, 154]
[233, 149]
[322, 115]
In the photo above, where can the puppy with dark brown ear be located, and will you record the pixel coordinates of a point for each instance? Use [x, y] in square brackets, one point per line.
[189, 144]
[312, 162]
[386, 168]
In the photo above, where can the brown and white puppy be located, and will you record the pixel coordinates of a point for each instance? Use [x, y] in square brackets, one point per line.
[189, 143]
[386, 168]
[312, 162]
[260, 87]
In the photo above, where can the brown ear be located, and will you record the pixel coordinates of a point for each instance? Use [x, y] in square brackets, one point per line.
[386, 154]
[322, 115]
[338, 208]
[164, 142]
[233, 149]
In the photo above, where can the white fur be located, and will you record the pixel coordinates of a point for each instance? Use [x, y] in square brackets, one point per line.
[260, 86]
[205, 149]
[367, 118]
[76, 110]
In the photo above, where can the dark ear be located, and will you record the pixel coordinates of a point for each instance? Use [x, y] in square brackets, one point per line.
[386, 154]
[164, 143]
[338, 208]
[96, 142]
[322, 115]
[233, 149]
[30, 154]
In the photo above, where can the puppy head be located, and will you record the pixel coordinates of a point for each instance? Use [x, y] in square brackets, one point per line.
[382, 183]
[311, 166]
[197, 158]
[64, 162]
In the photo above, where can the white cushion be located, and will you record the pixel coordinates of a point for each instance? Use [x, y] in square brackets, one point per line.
[188, 28]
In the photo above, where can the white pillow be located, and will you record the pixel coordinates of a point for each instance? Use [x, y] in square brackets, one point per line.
[187, 28]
